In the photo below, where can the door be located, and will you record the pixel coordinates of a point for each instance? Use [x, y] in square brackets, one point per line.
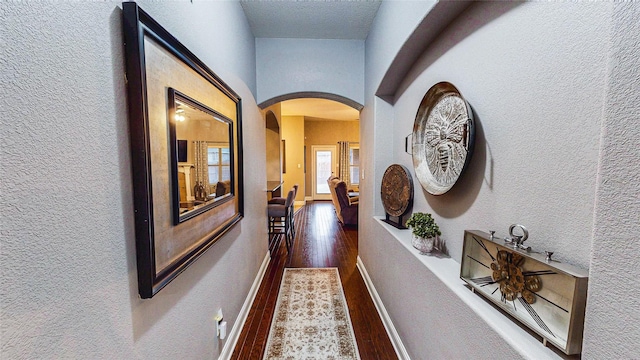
[323, 158]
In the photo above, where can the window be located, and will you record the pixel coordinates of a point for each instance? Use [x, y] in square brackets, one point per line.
[354, 165]
[219, 164]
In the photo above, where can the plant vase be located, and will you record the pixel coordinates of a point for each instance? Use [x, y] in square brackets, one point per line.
[424, 230]
[424, 245]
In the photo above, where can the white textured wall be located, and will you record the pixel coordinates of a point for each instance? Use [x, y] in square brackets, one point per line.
[536, 74]
[69, 283]
[613, 310]
[386, 37]
[286, 66]
[537, 135]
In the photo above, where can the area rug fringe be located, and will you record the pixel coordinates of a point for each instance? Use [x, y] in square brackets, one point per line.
[311, 319]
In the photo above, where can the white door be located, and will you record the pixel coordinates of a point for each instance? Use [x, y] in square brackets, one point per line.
[323, 158]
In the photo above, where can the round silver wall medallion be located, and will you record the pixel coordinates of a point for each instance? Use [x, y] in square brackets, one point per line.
[443, 138]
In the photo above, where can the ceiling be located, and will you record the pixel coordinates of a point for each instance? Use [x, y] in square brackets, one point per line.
[319, 109]
[312, 19]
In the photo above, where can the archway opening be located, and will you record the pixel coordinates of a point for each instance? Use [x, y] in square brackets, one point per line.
[313, 123]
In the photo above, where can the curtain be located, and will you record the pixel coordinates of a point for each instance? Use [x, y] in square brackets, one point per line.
[201, 165]
[343, 162]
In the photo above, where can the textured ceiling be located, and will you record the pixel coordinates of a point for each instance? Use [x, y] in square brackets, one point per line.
[310, 19]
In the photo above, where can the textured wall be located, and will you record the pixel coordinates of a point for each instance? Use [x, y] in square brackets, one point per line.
[293, 134]
[537, 137]
[613, 310]
[69, 282]
[287, 66]
[386, 37]
[326, 132]
[536, 75]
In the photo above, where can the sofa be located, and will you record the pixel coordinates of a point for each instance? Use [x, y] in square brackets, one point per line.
[346, 207]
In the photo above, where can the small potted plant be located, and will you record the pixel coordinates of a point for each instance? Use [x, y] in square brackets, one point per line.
[425, 230]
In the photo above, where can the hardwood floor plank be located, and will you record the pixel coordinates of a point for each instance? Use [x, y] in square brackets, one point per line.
[320, 241]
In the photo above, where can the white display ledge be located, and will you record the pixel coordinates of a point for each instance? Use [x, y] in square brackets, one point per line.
[448, 271]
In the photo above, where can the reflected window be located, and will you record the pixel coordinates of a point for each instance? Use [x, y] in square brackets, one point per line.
[219, 164]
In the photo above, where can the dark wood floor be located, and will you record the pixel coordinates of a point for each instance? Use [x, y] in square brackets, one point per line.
[320, 242]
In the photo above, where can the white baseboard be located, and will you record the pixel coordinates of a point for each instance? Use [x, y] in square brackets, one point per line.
[234, 334]
[401, 351]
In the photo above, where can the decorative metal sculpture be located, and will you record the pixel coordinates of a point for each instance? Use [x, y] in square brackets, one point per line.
[443, 138]
[397, 194]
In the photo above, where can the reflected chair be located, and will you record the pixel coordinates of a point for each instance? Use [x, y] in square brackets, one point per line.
[281, 219]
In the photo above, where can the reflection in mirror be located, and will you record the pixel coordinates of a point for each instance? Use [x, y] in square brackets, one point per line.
[202, 157]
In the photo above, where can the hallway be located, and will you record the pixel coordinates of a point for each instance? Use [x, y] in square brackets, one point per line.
[320, 242]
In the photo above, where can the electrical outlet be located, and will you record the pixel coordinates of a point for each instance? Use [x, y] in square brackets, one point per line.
[222, 330]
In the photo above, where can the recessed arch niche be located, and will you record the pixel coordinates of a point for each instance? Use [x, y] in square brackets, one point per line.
[273, 156]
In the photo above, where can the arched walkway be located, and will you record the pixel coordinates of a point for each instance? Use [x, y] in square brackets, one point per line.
[311, 94]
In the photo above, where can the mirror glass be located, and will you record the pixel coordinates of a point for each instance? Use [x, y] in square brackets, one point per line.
[202, 156]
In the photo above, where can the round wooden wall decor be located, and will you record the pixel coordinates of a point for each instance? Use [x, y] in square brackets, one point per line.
[443, 138]
[397, 190]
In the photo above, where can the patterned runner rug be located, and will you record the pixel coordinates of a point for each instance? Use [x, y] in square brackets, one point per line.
[311, 320]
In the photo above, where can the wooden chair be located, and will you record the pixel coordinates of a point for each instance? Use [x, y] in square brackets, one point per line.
[281, 200]
[281, 219]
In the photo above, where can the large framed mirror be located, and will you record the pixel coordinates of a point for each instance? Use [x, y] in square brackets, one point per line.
[187, 175]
